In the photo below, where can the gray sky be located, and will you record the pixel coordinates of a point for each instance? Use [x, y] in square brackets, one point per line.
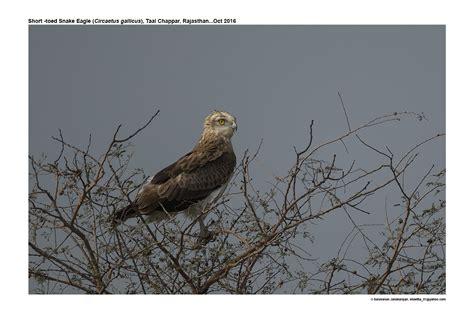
[274, 79]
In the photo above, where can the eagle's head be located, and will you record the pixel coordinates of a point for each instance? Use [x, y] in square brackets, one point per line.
[220, 123]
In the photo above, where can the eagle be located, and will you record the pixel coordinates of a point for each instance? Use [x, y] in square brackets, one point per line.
[193, 182]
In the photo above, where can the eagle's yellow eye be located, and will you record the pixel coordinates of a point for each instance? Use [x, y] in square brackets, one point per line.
[221, 121]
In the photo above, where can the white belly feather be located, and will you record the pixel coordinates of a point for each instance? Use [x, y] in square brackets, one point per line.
[195, 210]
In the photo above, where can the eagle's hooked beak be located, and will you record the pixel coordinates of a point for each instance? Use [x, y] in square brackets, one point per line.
[234, 126]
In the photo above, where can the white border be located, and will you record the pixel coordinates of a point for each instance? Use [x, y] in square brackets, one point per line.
[15, 298]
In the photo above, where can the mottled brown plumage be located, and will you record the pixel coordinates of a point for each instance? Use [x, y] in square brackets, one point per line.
[193, 181]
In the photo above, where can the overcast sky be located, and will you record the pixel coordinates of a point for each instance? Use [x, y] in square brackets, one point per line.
[274, 79]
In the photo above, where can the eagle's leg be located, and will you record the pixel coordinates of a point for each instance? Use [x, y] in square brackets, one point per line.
[205, 235]
[204, 232]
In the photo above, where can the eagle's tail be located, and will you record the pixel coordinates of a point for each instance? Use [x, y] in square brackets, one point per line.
[125, 213]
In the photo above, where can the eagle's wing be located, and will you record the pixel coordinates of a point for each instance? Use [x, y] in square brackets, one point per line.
[190, 179]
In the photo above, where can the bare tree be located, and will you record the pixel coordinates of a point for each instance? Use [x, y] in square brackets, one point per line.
[259, 235]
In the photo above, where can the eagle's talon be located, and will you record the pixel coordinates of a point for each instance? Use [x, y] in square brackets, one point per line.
[205, 236]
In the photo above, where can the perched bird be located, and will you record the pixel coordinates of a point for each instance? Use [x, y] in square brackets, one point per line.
[194, 181]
